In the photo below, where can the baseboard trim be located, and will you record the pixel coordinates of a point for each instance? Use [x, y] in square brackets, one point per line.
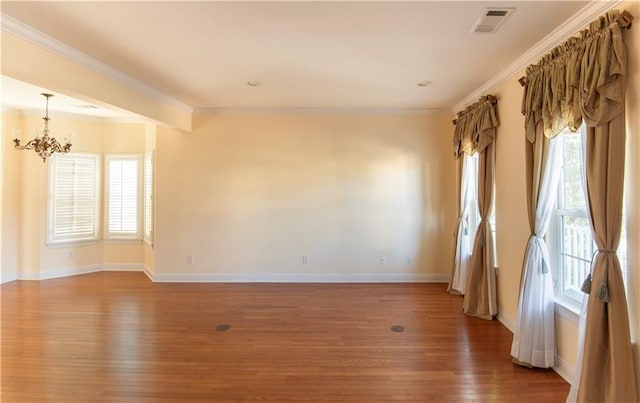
[148, 272]
[238, 278]
[8, 279]
[299, 278]
[565, 370]
[76, 270]
[123, 267]
[62, 272]
[507, 322]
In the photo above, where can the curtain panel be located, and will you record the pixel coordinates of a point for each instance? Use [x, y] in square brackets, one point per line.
[583, 80]
[534, 339]
[462, 252]
[475, 132]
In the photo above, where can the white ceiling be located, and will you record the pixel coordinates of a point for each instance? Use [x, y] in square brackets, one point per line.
[305, 54]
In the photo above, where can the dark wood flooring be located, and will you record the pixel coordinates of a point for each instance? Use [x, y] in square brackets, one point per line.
[117, 337]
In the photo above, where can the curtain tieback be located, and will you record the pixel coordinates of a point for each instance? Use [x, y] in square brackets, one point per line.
[485, 221]
[603, 291]
[606, 251]
[545, 266]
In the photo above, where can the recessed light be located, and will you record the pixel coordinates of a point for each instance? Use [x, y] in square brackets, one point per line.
[425, 83]
[254, 83]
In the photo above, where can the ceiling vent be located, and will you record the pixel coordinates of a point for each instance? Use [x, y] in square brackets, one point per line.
[491, 20]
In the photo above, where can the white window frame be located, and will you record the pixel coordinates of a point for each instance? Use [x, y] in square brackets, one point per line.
[567, 298]
[57, 239]
[123, 236]
[148, 197]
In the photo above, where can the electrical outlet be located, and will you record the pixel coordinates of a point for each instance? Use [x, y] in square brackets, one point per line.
[189, 259]
[383, 260]
[409, 260]
[305, 259]
[71, 254]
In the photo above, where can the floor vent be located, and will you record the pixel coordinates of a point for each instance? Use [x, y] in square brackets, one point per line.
[397, 328]
[491, 20]
[222, 328]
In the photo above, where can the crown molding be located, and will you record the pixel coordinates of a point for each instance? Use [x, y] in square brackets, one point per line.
[571, 26]
[321, 111]
[29, 34]
[28, 112]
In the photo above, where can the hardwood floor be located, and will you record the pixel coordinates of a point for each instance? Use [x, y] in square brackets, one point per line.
[117, 337]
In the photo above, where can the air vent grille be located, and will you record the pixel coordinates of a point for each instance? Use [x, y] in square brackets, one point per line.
[496, 13]
[491, 20]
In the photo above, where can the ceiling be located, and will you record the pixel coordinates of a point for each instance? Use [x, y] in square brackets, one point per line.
[351, 55]
[21, 96]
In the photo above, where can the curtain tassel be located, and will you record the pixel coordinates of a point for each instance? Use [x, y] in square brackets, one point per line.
[603, 293]
[586, 285]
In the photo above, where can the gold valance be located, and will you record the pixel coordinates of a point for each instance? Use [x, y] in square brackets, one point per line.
[475, 127]
[580, 80]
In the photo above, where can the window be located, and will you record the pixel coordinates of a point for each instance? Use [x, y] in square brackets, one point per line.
[473, 219]
[474, 213]
[148, 198]
[571, 243]
[73, 197]
[575, 245]
[123, 216]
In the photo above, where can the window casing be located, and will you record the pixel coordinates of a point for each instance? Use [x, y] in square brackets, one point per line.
[74, 193]
[123, 198]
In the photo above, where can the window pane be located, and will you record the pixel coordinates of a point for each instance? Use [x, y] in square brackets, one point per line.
[573, 194]
[576, 252]
[577, 240]
[123, 195]
[575, 271]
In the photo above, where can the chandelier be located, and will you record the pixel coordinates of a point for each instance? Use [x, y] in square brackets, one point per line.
[42, 143]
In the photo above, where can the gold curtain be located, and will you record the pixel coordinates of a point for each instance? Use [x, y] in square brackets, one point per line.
[584, 80]
[475, 131]
[475, 127]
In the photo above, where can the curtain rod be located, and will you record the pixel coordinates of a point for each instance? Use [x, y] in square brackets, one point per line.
[483, 98]
[624, 21]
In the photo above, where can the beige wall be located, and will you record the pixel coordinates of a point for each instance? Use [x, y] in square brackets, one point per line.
[512, 228]
[250, 195]
[10, 183]
[24, 201]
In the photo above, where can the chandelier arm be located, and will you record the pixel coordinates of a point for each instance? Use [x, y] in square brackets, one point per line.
[31, 145]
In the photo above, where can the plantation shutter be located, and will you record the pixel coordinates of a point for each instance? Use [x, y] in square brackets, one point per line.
[74, 198]
[122, 195]
[148, 196]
